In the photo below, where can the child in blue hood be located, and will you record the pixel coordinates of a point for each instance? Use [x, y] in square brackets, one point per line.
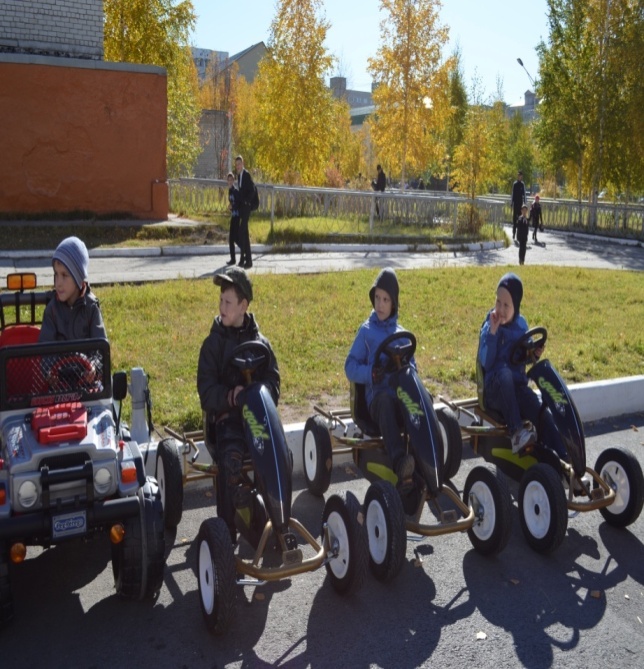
[506, 385]
[361, 367]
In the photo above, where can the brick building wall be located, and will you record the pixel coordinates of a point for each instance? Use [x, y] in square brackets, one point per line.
[52, 27]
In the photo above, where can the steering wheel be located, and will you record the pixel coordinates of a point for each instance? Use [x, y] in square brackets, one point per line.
[71, 372]
[397, 356]
[250, 358]
[525, 346]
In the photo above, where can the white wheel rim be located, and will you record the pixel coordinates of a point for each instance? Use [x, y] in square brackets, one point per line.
[161, 480]
[623, 491]
[484, 527]
[536, 510]
[444, 438]
[377, 532]
[206, 577]
[310, 455]
[338, 529]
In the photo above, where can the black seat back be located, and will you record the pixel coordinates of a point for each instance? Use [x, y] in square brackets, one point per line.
[360, 410]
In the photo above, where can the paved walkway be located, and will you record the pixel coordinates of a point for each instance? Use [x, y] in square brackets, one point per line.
[170, 262]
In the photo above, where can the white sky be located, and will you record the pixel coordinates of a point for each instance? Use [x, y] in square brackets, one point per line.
[491, 34]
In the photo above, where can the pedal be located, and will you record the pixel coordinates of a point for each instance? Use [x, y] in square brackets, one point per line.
[597, 494]
[290, 541]
[292, 557]
[449, 516]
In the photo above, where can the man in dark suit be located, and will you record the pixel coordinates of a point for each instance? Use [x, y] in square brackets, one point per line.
[518, 200]
[379, 184]
[245, 188]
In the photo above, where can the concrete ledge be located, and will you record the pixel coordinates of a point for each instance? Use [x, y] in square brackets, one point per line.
[595, 401]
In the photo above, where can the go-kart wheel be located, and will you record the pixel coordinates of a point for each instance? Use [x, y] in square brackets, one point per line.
[216, 574]
[348, 542]
[452, 442]
[490, 497]
[317, 455]
[6, 600]
[170, 480]
[533, 339]
[152, 522]
[385, 522]
[625, 473]
[138, 560]
[542, 508]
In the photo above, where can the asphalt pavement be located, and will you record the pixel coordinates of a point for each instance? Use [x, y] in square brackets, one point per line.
[119, 265]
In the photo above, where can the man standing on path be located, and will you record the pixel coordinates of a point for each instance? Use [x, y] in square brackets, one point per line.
[379, 184]
[245, 187]
[518, 200]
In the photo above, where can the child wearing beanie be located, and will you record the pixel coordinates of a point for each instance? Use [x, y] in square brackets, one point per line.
[73, 312]
[362, 367]
[506, 384]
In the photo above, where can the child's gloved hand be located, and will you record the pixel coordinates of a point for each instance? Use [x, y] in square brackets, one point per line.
[377, 374]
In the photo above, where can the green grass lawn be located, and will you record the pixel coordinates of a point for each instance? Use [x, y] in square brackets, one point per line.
[594, 321]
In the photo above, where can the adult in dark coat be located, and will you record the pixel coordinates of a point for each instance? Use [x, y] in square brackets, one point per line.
[518, 200]
[245, 188]
[379, 184]
[536, 217]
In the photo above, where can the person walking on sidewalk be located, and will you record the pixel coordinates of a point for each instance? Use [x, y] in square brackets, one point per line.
[379, 184]
[518, 200]
[536, 218]
[233, 233]
[523, 231]
[245, 187]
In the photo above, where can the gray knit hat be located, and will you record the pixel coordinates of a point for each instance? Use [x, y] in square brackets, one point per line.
[512, 283]
[72, 252]
[387, 281]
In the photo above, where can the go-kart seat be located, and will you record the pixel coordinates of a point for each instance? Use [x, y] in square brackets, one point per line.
[360, 410]
[19, 334]
[495, 416]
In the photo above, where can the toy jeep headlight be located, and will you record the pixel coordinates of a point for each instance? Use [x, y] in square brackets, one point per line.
[27, 494]
[102, 480]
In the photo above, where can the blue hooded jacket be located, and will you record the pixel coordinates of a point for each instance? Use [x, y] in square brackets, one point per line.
[359, 363]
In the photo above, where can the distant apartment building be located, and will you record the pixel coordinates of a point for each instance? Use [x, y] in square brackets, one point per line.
[528, 107]
[246, 60]
[338, 86]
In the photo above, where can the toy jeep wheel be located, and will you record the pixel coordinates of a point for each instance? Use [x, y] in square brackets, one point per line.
[542, 508]
[137, 562]
[317, 455]
[452, 442]
[385, 521]
[6, 600]
[626, 475]
[489, 495]
[216, 574]
[348, 542]
[170, 480]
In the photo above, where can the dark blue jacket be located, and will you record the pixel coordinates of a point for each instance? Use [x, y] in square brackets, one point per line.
[494, 350]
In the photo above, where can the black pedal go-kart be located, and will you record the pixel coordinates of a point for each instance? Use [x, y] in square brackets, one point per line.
[267, 472]
[434, 439]
[551, 488]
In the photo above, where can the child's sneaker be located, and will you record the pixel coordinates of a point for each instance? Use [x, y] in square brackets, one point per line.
[522, 438]
[405, 470]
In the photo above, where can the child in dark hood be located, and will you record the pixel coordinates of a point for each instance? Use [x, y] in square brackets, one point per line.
[506, 384]
[362, 367]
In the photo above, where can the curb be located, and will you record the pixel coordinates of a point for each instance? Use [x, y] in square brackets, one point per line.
[596, 400]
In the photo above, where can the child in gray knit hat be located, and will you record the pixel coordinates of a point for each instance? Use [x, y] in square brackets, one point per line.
[73, 312]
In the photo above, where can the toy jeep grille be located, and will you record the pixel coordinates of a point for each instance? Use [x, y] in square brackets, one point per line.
[65, 461]
[44, 374]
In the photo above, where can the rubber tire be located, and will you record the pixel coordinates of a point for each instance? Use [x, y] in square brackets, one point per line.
[452, 442]
[138, 561]
[626, 472]
[542, 508]
[317, 455]
[343, 515]
[155, 537]
[6, 598]
[216, 575]
[385, 523]
[170, 479]
[491, 534]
